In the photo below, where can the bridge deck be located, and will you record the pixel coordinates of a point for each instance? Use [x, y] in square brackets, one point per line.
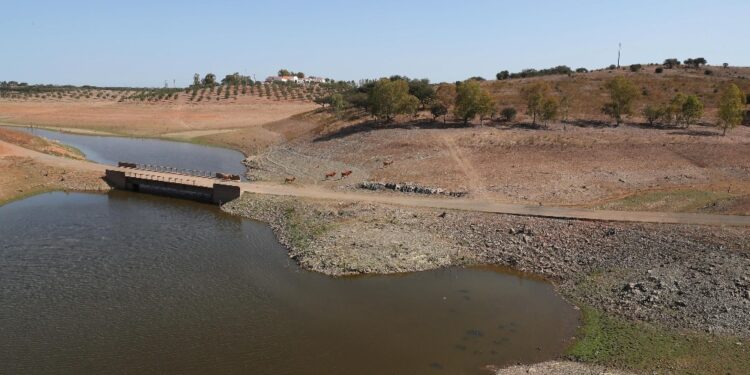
[168, 177]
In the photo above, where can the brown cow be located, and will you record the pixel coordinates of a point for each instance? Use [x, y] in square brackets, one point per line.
[345, 173]
[330, 174]
[289, 180]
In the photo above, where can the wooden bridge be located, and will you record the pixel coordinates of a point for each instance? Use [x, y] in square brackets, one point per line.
[198, 185]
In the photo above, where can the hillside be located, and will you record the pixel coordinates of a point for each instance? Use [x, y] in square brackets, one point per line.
[176, 116]
[584, 162]
[587, 93]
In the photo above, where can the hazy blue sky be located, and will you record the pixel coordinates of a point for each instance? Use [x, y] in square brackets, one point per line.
[144, 43]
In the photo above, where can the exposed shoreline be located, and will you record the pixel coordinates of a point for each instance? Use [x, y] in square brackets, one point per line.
[338, 239]
[639, 273]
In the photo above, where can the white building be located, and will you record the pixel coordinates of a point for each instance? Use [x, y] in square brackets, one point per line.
[295, 79]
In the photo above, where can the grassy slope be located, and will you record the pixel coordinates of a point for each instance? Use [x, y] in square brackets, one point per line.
[613, 342]
[687, 200]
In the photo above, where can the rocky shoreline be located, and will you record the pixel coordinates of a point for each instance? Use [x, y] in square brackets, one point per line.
[678, 276]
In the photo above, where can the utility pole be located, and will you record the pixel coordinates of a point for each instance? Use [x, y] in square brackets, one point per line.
[619, 50]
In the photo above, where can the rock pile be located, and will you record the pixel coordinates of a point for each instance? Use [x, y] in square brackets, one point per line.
[409, 188]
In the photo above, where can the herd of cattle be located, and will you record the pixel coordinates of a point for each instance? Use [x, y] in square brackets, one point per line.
[332, 174]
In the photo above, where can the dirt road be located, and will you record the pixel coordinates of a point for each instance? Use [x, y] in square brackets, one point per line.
[496, 207]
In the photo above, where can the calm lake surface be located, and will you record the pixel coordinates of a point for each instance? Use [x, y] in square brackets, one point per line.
[130, 283]
[110, 150]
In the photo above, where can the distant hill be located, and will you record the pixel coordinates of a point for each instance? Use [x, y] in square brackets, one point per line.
[194, 95]
[587, 93]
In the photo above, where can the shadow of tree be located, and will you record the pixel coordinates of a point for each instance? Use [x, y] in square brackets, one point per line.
[699, 133]
[590, 123]
[655, 126]
[525, 126]
[375, 125]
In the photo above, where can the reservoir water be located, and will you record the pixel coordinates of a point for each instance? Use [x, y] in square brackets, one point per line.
[125, 283]
[110, 150]
[129, 283]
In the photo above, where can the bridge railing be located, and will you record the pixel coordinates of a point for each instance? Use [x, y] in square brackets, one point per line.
[173, 170]
[175, 179]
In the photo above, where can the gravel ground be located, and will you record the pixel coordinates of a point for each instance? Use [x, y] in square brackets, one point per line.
[679, 276]
[561, 368]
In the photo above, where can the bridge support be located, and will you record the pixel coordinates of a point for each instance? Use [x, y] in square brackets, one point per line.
[224, 193]
[178, 186]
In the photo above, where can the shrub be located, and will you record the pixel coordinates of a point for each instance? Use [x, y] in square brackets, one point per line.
[653, 113]
[707, 72]
[636, 67]
[612, 67]
[509, 113]
[659, 70]
[582, 70]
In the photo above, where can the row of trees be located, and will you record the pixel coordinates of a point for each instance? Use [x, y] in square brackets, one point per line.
[386, 98]
[561, 69]
[209, 80]
[564, 70]
[692, 62]
[682, 110]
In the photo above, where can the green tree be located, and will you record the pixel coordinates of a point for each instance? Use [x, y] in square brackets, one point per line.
[653, 113]
[671, 63]
[209, 80]
[535, 97]
[673, 111]
[300, 75]
[422, 89]
[486, 106]
[337, 103]
[503, 75]
[445, 94]
[472, 100]
[196, 80]
[390, 98]
[550, 110]
[622, 94]
[731, 108]
[438, 109]
[692, 110]
[284, 72]
[509, 113]
[696, 63]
